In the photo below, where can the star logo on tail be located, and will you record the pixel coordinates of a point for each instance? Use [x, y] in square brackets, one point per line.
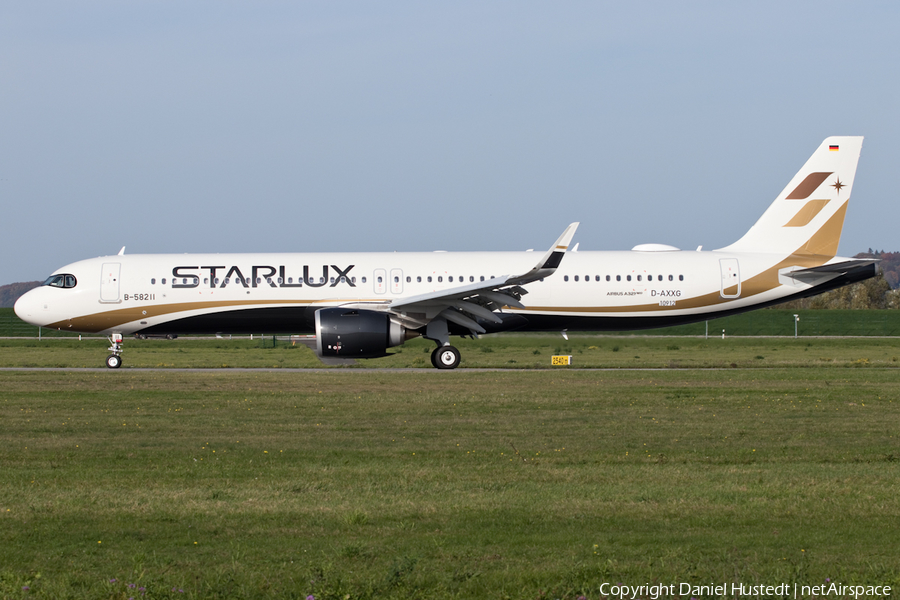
[837, 185]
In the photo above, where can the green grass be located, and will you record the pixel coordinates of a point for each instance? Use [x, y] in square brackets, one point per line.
[509, 484]
[510, 351]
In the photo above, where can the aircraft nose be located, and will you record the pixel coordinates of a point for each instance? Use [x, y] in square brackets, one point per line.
[28, 307]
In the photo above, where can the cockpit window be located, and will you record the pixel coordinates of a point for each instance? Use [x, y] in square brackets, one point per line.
[61, 281]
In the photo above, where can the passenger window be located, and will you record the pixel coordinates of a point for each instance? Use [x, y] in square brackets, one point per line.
[681, 278]
[440, 279]
[164, 281]
[639, 277]
[628, 277]
[576, 278]
[418, 279]
[471, 278]
[607, 278]
[429, 279]
[618, 278]
[671, 278]
[408, 279]
[450, 279]
[565, 277]
[363, 279]
[153, 281]
[379, 279]
[482, 278]
[396, 279]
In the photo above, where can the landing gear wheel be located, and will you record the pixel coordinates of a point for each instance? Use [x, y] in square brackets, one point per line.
[113, 361]
[445, 357]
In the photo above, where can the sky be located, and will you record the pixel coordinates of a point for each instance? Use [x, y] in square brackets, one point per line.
[274, 126]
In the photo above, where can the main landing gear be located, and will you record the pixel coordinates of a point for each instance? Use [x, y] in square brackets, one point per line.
[114, 361]
[445, 357]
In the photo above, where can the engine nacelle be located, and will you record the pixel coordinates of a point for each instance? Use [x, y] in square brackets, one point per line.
[354, 333]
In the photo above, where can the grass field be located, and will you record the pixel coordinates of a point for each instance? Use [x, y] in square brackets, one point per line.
[511, 351]
[464, 484]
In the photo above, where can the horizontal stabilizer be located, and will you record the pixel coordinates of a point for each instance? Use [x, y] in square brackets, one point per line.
[840, 268]
[826, 272]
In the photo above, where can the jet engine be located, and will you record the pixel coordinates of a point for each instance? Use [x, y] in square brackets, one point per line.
[354, 333]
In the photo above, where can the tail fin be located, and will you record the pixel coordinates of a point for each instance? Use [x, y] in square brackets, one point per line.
[807, 217]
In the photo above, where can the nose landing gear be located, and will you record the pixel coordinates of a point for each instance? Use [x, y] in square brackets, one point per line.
[114, 361]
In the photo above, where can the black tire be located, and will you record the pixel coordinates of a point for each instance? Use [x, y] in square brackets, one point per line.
[113, 361]
[445, 357]
[434, 359]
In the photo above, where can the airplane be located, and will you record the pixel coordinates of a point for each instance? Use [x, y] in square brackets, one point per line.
[359, 305]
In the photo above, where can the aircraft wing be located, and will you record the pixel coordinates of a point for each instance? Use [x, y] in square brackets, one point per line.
[479, 300]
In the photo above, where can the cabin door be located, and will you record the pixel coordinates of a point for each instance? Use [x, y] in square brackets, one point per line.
[109, 282]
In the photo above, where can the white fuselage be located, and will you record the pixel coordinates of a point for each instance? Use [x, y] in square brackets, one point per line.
[183, 293]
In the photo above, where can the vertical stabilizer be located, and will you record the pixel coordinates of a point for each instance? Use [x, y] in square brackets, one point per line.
[808, 215]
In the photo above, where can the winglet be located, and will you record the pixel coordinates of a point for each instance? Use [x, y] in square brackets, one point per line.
[555, 254]
[550, 261]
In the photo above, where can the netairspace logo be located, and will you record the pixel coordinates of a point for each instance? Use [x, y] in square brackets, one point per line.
[740, 590]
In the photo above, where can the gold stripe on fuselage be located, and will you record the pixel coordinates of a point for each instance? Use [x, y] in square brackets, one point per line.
[116, 318]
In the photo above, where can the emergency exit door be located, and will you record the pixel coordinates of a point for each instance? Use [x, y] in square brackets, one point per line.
[731, 277]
